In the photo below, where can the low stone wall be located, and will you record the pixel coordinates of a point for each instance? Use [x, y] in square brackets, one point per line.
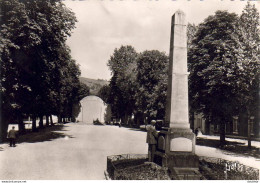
[115, 162]
[137, 167]
[220, 169]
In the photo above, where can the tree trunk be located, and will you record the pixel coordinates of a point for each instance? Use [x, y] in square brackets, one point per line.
[59, 119]
[249, 140]
[51, 120]
[59, 108]
[124, 119]
[63, 120]
[138, 116]
[34, 123]
[207, 127]
[41, 121]
[248, 129]
[4, 121]
[128, 120]
[192, 120]
[222, 133]
[47, 120]
[21, 124]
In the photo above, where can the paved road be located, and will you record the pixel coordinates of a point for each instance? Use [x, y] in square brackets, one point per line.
[84, 155]
[80, 157]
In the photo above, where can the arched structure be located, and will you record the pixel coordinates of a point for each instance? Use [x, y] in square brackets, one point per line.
[92, 108]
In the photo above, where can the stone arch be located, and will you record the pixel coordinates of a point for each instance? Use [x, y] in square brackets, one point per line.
[92, 108]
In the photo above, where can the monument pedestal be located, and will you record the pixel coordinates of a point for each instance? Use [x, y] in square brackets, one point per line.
[176, 145]
[176, 148]
[176, 151]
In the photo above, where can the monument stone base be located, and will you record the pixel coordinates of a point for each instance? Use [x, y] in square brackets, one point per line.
[186, 174]
[176, 151]
[183, 160]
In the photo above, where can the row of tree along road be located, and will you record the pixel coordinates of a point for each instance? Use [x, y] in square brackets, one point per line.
[223, 61]
[38, 76]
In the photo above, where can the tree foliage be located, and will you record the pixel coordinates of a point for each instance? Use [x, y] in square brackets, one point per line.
[138, 85]
[104, 93]
[152, 70]
[249, 69]
[224, 65]
[38, 75]
[223, 60]
[122, 84]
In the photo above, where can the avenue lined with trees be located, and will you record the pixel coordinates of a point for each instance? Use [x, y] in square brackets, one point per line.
[39, 80]
[38, 76]
[223, 61]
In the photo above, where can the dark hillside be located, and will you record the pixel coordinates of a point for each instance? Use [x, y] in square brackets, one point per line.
[93, 84]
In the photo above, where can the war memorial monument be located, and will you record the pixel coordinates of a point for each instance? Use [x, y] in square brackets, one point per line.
[176, 144]
[175, 149]
[174, 157]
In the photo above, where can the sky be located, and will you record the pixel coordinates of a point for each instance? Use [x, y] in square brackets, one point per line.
[104, 25]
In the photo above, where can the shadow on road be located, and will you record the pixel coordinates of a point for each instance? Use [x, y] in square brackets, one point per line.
[136, 129]
[45, 134]
[230, 147]
[213, 142]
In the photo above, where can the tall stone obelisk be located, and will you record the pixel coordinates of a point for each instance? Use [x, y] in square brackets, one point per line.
[176, 144]
[177, 108]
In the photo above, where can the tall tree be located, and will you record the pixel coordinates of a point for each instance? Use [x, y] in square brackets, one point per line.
[51, 57]
[122, 85]
[32, 36]
[152, 69]
[81, 91]
[214, 65]
[249, 70]
[191, 32]
[17, 35]
[104, 93]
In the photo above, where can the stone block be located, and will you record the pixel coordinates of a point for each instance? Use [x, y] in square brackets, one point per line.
[161, 143]
[183, 160]
[177, 140]
[186, 174]
[181, 144]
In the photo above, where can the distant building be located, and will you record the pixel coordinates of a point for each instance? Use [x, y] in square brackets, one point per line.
[92, 108]
[237, 126]
[199, 122]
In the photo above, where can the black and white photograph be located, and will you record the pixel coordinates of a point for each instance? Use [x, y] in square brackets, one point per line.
[129, 90]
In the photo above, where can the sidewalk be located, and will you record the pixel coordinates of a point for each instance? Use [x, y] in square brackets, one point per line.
[244, 141]
[235, 150]
[243, 138]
